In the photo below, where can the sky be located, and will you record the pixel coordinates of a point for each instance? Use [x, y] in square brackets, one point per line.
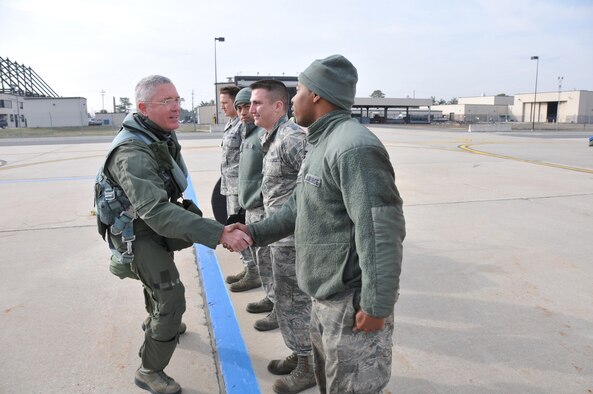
[414, 49]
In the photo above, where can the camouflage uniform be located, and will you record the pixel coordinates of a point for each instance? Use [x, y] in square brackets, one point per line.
[284, 149]
[360, 362]
[229, 168]
[261, 254]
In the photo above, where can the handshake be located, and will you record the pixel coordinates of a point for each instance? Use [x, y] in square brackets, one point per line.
[236, 237]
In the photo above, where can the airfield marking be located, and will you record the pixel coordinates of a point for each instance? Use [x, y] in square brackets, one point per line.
[466, 148]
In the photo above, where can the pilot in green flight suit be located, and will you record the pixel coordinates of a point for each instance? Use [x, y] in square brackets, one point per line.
[146, 174]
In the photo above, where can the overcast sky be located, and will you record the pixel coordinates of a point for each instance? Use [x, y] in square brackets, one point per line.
[404, 48]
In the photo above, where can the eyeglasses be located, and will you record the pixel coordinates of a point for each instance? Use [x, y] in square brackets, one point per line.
[167, 103]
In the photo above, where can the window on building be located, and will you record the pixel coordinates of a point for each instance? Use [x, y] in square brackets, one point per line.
[12, 117]
[21, 105]
[5, 104]
[22, 118]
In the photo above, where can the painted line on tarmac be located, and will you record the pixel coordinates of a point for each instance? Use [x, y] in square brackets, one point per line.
[466, 148]
[41, 180]
[10, 167]
[235, 365]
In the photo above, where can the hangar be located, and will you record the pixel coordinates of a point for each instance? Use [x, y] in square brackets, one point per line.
[572, 106]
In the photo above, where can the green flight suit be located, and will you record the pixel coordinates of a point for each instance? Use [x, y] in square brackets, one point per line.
[161, 226]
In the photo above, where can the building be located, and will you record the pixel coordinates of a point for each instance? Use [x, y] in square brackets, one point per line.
[27, 101]
[573, 106]
[478, 109]
[111, 118]
[18, 111]
[547, 107]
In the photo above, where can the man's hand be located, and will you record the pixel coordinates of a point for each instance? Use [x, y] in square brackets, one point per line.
[240, 226]
[367, 323]
[234, 239]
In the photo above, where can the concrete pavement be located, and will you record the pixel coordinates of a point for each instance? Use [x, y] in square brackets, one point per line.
[496, 289]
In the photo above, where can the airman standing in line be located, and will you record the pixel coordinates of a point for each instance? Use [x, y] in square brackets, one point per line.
[347, 219]
[284, 144]
[229, 185]
[250, 195]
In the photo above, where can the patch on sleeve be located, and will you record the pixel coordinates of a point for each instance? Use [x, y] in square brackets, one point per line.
[313, 180]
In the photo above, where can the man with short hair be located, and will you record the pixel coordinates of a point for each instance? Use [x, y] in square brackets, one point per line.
[347, 219]
[248, 278]
[250, 195]
[284, 145]
[146, 166]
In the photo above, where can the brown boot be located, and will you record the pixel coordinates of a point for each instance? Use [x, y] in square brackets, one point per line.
[283, 367]
[261, 306]
[268, 323]
[250, 281]
[301, 378]
[157, 382]
[237, 277]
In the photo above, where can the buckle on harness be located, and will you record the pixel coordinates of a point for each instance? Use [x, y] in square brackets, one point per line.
[109, 195]
[123, 222]
[127, 258]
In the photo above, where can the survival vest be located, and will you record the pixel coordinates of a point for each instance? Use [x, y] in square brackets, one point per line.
[113, 208]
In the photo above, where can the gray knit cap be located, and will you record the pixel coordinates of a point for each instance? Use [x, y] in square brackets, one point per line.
[333, 78]
[243, 97]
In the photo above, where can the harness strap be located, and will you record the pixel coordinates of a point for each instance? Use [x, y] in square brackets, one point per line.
[123, 224]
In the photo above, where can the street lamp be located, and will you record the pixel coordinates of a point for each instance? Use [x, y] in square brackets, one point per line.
[536, 58]
[221, 39]
[558, 109]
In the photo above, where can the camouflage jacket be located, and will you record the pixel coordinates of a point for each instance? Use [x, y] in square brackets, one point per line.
[284, 150]
[231, 149]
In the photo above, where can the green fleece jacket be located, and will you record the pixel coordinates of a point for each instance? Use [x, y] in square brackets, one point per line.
[135, 168]
[346, 214]
[250, 167]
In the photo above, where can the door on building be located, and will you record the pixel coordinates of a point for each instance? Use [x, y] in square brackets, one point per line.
[552, 113]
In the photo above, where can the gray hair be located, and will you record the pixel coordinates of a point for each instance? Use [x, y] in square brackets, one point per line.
[147, 85]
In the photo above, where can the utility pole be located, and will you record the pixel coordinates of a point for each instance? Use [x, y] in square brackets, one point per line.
[193, 110]
[558, 108]
[103, 99]
[221, 39]
[536, 58]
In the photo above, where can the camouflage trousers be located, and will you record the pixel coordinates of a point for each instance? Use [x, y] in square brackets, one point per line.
[261, 255]
[347, 362]
[293, 306]
[232, 207]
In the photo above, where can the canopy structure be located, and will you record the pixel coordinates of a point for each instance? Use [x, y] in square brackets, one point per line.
[17, 79]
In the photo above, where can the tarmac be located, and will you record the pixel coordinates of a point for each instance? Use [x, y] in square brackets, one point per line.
[496, 288]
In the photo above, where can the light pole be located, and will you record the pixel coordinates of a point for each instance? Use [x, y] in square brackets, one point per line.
[221, 39]
[193, 110]
[536, 58]
[103, 99]
[558, 109]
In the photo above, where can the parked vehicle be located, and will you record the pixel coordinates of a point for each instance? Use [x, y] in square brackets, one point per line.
[95, 122]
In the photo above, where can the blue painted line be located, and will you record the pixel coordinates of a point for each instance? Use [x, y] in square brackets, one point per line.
[235, 364]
